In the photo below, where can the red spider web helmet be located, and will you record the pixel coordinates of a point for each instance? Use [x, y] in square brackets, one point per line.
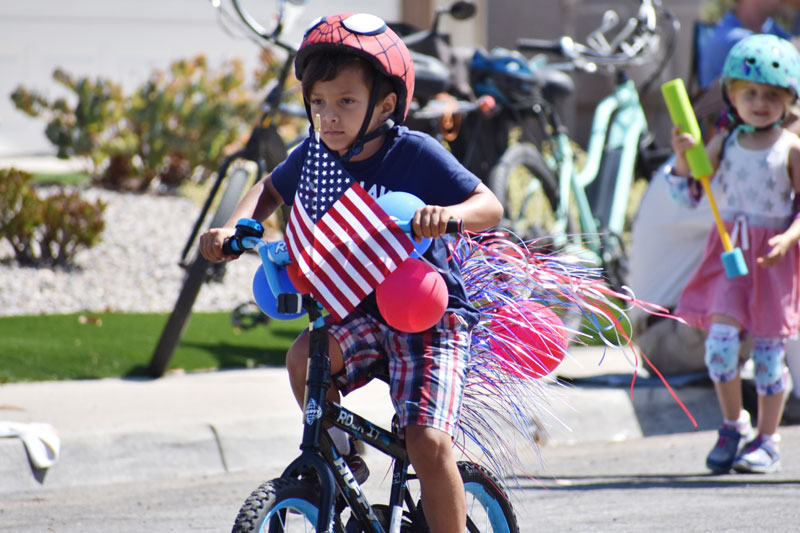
[369, 37]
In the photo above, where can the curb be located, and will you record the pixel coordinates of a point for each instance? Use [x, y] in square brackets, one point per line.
[231, 421]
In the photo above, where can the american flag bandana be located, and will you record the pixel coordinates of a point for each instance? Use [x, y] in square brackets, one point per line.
[343, 243]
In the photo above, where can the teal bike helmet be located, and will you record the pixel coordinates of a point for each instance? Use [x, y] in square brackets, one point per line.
[761, 58]
[766, 59]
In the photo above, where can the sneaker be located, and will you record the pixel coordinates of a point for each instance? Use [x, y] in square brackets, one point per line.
[759, 457]
[357, 464]
[721, 458]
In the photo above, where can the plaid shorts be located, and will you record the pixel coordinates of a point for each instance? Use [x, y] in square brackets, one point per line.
[426, 371]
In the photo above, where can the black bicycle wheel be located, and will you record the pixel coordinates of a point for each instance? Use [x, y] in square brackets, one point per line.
[280, 505]
[528, 191]
[197, 273]
[273, 151]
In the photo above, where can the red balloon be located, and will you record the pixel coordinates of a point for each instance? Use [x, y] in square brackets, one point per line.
[413, 297]
[529, 338]
[300, 282]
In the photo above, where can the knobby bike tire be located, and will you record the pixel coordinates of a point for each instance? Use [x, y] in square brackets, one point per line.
[491, 506]
[279, 505]
[197, 273]
[501, 181]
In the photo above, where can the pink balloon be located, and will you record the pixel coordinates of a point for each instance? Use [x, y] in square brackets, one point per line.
[299, 281]
[529, 338]
[413, 297]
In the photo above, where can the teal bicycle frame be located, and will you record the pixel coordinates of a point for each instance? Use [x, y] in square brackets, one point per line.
[617, 125]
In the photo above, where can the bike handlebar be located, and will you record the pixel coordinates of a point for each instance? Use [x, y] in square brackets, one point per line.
[249, 233]
[638, 34]
[255, 27]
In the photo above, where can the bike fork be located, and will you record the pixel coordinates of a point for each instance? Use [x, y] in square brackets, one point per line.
[399, 487]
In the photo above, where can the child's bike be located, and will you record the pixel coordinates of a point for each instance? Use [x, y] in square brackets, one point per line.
[317, 491]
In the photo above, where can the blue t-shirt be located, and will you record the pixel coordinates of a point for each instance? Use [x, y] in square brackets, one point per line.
[412, 162]
[727, 33]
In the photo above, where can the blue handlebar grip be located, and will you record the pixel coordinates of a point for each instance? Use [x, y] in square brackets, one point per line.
[250, 227]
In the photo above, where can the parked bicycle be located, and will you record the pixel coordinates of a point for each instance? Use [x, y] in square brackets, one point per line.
[264, 150]
[316, 491]
[537, 180]
[505, 125]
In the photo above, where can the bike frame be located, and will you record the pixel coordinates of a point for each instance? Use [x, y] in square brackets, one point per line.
[319, 456]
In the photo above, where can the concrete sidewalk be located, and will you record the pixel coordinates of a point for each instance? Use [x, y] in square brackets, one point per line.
[114, 430]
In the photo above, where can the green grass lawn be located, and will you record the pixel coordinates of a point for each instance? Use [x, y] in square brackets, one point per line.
[61, 178]
[101, 345]
[88, 346]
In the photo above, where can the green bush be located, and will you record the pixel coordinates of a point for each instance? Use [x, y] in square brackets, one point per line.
[46, 231]
[79, 129]
[180, 121]
[175, 126]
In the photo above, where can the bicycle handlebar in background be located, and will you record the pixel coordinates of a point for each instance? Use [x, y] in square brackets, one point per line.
[252, 25]
[627, 47]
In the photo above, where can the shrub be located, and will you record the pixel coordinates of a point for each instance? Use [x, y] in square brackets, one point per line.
[176, 125]
[46, 231]
[180, 121]
[80, 129]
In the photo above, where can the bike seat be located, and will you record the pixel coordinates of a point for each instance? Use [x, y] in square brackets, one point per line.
[432, 76]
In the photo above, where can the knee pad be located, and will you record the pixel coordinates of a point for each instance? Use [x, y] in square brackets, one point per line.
[722, 352]
[768, 358]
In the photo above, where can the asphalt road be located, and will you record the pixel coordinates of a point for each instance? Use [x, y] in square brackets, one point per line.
[654, 483]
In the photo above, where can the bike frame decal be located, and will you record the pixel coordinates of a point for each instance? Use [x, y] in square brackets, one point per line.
[313, 411]
[353, 492]
[396, 520]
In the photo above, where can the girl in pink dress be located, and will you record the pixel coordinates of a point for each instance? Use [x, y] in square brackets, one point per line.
[757, 175]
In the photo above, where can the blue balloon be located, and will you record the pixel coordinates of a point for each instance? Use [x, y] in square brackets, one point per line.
[265, 300]
[402, 206]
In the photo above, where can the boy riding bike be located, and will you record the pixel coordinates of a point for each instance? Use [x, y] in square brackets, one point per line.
[358, 77]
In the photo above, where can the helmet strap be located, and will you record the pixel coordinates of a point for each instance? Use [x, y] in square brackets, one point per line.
[363, 137]
[358, 144]
[739, 124]
[747, 128]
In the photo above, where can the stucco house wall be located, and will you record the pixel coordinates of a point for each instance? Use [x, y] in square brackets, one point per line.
[125, 40]
[122, 40]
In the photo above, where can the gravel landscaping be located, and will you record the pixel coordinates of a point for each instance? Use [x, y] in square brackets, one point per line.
[134, 268]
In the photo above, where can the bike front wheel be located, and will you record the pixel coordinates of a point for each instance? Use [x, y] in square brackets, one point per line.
[280, 505]
[198, 272]
[528, 191]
